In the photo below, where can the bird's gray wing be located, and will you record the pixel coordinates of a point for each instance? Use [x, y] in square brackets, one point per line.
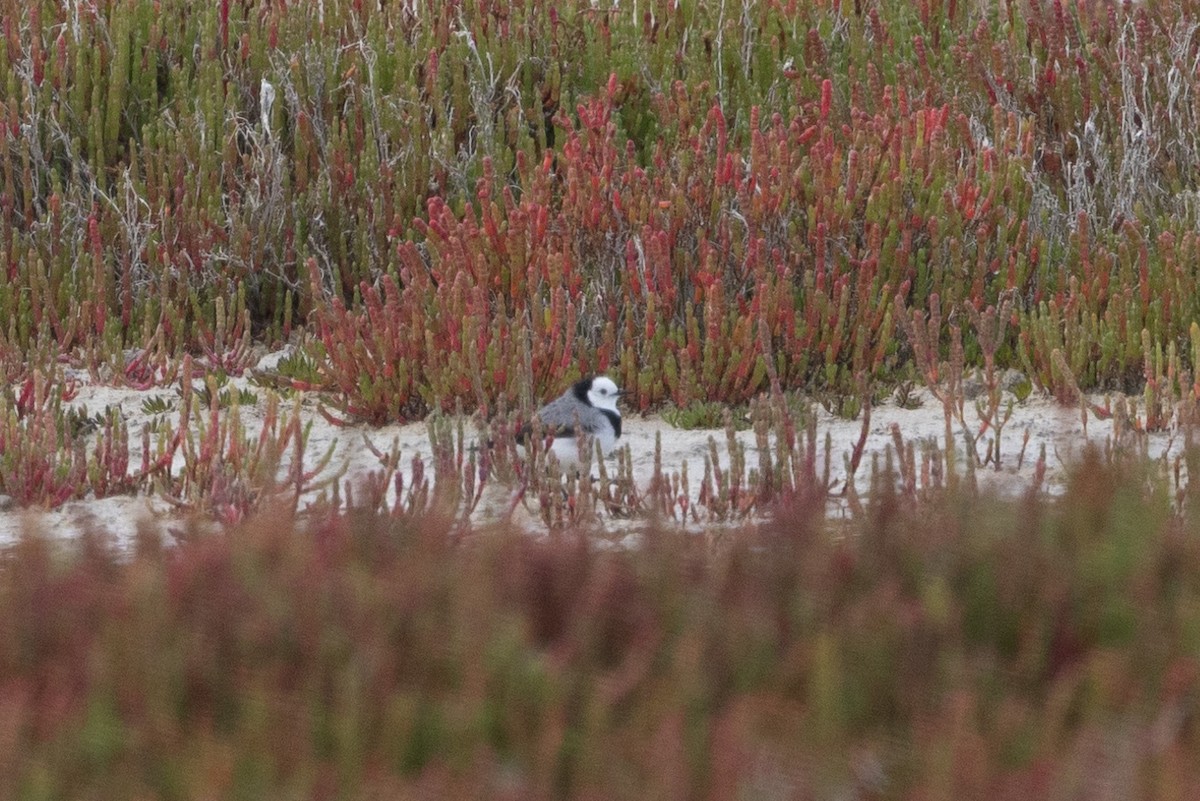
[524, 432]
[566, 411]
[558, 412]
[558, 419]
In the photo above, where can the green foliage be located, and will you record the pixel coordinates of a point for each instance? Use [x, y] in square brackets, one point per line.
[79, 423]
[1022, 389]
[157, 404]
[705, 414]
[299, 366]
[226, 397]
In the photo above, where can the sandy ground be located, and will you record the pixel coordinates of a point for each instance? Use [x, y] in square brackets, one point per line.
[1060, 429]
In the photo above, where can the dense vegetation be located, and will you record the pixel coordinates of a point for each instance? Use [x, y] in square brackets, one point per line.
[952, 648]
[463, 205]
[463, 201]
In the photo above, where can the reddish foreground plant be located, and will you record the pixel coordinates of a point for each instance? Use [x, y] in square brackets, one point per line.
[808, 655]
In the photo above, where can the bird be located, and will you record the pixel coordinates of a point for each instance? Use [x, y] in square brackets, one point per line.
[590, 404]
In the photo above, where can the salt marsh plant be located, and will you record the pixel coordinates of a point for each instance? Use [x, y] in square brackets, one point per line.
[220, 469]
[51, 452]
[561, 187]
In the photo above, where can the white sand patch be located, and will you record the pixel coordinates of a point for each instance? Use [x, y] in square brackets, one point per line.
[117, 517]
[1060, 429]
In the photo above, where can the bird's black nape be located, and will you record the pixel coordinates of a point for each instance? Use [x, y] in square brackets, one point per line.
[580, 390]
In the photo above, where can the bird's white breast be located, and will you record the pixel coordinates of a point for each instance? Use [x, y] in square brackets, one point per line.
[568, 450]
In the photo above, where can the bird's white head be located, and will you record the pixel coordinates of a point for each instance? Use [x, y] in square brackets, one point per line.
[603, 394]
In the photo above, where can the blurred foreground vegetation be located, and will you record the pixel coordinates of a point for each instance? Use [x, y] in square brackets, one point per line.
[955, 647]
